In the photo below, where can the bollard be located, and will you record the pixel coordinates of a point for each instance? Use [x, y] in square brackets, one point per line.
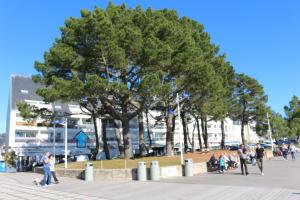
[188, 167]
[141, 171]
[89, 172]
[154, 171]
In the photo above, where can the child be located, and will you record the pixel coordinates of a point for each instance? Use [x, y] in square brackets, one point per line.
[52, 169]
[222, 164]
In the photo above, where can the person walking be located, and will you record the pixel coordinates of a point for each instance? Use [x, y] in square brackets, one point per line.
[242, 152]
[285, 151]
[259, 152]
[293, 151]
[52, 168]
[46, 169]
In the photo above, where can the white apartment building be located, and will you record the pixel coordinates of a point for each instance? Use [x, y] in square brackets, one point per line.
[32, 139]
[232, 133]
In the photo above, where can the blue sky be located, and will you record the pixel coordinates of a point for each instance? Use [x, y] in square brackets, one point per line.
[260, 38]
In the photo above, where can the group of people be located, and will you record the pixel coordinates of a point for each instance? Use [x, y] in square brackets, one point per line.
[223, 163]
[48, 169]
[256, 158]
[286, 149]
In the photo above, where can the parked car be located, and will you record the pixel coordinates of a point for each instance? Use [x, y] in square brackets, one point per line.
[233, 148]
[266, 145]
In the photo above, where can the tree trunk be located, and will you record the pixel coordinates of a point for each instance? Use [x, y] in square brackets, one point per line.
[204, 131]
[242, 126]
[188, 134]
[126, 139]
[242, 132]
[223, 135]
[185, 140]
[170, 135]
[118, 138]
[142, 146]
[104, 139]
[199, 134]
[97, 147]
[193, 139]
[148, 129]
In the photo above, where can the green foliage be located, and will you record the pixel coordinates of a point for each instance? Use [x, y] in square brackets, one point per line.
[250, 101]
[10, 158]
[279, 126]
[112, 61]
[119, 61]
[27, 111]
[31, 113]
[293, 116]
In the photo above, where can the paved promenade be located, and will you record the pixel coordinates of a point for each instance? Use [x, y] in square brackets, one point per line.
[281, 181]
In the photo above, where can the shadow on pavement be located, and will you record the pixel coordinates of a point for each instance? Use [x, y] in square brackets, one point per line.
[233, 174]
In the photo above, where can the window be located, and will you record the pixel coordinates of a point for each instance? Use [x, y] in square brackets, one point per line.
[20, 134]
[24, 91]
[72, 123]
[86, 121]
[58, 137]
[236, 123]
[25, 134]
[57, 107]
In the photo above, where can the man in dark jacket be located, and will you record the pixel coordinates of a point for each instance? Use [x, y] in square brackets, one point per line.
[259, 151]
[242, 152]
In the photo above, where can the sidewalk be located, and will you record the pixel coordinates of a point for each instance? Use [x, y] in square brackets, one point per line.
[281, 181]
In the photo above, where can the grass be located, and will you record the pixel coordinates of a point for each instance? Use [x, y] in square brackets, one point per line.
[130, 163]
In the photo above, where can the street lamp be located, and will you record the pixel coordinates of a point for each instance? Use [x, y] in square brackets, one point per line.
[66, 137]
[179, 126]
[54, 133]
[66, 142]
[270, 132]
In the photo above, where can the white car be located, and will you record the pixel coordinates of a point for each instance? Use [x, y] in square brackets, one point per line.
[82, 158]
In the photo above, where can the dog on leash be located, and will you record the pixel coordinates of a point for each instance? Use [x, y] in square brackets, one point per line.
[37, 182]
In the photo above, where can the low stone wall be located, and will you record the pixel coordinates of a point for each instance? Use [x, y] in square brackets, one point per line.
[126, 174]
[200, 168]
[73, 173]
[171, 171]
[269, 154]
[115, 174]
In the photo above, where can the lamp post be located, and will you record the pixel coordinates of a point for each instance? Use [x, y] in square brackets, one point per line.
[179, 128]
[54, 133]
[66, 142]
[270, 132]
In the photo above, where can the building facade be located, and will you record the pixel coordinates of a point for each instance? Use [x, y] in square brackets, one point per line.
[31, 139]
[34, 138]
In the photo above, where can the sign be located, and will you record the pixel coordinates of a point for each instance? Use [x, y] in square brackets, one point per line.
[2, 166]
[81, 139]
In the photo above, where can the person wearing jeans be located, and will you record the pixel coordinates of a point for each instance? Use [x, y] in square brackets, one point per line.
[259, 151]
[242, 152]
[46, 169]
[52, 168]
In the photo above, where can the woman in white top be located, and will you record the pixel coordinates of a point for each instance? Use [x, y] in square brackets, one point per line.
[52, 168]
[293, 151]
